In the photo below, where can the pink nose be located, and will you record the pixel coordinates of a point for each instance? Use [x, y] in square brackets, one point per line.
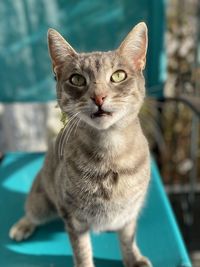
[98, 99]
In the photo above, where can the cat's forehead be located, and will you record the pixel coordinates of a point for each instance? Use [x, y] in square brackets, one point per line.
[97, 60]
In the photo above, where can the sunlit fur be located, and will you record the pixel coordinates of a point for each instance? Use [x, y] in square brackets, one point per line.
[101, 179]
[123, 99]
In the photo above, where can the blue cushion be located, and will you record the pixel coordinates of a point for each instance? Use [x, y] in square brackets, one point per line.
[158, 235]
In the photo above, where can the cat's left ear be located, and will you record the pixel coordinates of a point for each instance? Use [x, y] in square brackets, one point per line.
[134, 47]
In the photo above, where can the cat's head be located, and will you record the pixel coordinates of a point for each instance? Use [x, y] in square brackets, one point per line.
[100, 88]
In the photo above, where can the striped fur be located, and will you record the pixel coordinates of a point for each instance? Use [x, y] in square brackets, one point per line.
[95, 177]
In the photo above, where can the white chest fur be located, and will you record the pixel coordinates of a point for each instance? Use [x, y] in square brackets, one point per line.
[115, 215]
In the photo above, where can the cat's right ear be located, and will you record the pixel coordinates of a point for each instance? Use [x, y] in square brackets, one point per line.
[59, 49]
[134, 47]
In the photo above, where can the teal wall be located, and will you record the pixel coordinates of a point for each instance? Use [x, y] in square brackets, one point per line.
[25, 69]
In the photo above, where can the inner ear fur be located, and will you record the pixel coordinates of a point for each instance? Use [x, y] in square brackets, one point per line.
[134, 46]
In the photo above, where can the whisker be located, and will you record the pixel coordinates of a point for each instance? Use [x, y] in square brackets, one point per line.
[65, 132]
[77, 125]
[69, 133]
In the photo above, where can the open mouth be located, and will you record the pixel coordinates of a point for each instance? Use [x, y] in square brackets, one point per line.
[100, 113]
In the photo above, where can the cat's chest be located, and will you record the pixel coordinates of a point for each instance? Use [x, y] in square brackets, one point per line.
[106, 201]
[103, 189]
[108, 214]
[105, 178]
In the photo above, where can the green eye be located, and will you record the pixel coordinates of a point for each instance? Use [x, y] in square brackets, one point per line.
[118, 76]
[78, 80]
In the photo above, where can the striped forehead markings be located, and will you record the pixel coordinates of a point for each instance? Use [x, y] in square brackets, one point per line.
[94, 63]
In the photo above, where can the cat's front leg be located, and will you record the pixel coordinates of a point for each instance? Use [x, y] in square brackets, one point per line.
[81, 245]
[131, 253]
[80, 241]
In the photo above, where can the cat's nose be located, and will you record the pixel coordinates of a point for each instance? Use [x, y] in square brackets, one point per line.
[98, 99]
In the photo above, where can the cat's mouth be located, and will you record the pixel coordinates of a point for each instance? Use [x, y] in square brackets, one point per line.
[100, 113]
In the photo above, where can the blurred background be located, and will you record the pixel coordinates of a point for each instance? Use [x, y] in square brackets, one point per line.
[29, 118]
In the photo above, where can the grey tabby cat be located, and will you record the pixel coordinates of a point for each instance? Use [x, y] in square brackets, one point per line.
[99, 179]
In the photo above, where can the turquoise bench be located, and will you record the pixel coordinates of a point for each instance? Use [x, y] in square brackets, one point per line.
[25, 75]
[158, 235]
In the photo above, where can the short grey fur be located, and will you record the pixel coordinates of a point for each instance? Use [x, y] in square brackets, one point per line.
[99, 179]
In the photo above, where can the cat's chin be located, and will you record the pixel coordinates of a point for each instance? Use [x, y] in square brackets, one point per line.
[100, 123]
[108, 121]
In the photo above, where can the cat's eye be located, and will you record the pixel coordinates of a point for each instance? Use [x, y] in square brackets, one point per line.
[118, 76]
[77, 80]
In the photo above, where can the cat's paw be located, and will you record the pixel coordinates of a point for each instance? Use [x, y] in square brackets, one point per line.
[21, 230]
[142, 262]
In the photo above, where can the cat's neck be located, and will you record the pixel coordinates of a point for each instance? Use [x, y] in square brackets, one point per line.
[115, 137]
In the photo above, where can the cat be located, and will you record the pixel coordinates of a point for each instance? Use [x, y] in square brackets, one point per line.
[96, 176]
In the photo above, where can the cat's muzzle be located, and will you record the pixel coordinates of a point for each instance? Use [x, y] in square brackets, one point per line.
[100, 113]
